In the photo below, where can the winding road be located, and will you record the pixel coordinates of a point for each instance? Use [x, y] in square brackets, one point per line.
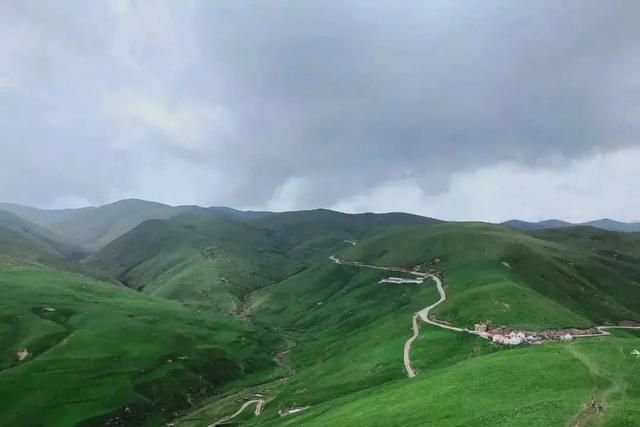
[259, 405]
[407, 347]
[422, 314]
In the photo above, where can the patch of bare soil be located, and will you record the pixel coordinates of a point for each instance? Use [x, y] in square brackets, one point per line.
[22, 354]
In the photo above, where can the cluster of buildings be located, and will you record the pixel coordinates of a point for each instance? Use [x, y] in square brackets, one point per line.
[512, 338]
[506, 337]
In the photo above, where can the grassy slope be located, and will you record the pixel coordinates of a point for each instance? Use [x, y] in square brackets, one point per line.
[349, 360]
[24, 239]
[603, 242]
[299, 227]
[42, 217]
[539, 385]
[511, 278]
[105, 348]
[348, 329]
[351, 372]
[195, 257]
[217, 257]
[351, 330]
[95, 227]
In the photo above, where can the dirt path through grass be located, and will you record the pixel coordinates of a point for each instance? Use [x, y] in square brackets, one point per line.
[259, 404]
[422, 314]
[256, 390]
[604, 331]
[407, 347]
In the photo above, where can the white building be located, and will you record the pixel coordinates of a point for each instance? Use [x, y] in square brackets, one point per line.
[480, 327]
[514, 338]
[498, 338]
[400, 280]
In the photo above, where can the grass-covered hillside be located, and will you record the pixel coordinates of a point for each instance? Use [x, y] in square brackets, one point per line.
[349, 331]
[619, 245]
[216, 257]
[77, 351]
[511, 278]
[184, 318]
[303, 229]
[42, 217]
[197, 257]
[546, 385]
[95, 227]
[23, 239]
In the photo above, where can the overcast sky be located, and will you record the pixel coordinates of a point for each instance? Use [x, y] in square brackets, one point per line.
[482, 110]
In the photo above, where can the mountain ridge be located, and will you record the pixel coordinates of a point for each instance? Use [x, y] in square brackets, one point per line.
[603, 224]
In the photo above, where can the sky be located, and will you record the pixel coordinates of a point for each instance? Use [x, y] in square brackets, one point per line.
[463, 110]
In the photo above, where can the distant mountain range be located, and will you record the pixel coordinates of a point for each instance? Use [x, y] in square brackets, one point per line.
[91, 228]
[604, 224]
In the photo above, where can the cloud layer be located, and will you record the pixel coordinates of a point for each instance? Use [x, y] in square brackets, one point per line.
[454, 109]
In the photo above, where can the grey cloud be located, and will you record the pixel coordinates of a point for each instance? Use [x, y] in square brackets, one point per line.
[339, 97]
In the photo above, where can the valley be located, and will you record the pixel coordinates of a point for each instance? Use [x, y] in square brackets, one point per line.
[196, 317]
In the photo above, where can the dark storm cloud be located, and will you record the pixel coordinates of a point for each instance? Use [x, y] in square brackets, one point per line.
[301, 104]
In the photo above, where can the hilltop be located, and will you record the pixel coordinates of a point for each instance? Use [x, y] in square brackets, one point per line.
[604, 224]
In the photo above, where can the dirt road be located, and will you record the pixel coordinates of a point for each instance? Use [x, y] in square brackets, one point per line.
[422, 314]
[259, 405]
[603, 331]
[407, 347]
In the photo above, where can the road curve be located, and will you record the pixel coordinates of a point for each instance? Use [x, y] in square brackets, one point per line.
[259, 405]
[407, 347]
[422, 314]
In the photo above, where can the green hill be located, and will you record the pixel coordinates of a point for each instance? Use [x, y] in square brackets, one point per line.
[99, 352]
[95, 227]
[22, 239]
[512, 278]
[547, 385]
[214, 294]
[197, 257]
[313, 235]
[349, 332]
[611, 243]
[603, 224]
[42, 217]
[300, 226]
[217, 256]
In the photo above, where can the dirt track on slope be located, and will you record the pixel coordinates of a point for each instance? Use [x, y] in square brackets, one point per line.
[407, 347]
[422, 314]
[259, 404]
